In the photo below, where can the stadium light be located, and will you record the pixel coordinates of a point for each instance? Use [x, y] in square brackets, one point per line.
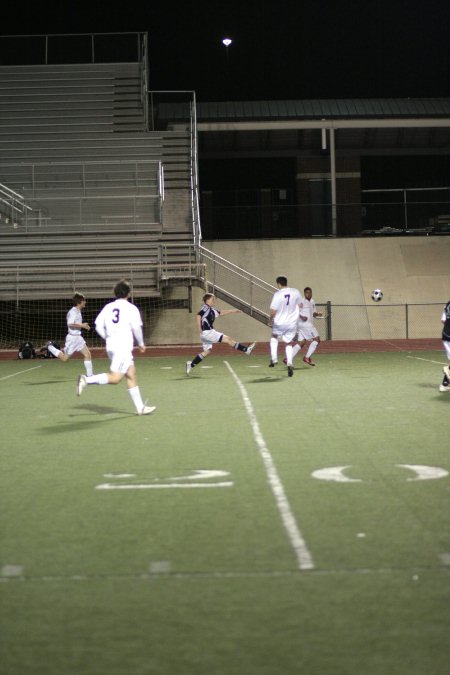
[227, 42]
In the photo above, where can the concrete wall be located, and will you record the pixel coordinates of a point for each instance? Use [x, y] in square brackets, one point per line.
[344, 271]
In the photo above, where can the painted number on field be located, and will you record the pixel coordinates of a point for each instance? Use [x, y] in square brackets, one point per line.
[199, 478]
[420, 471]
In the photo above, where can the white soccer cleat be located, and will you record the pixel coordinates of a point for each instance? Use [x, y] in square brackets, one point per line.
[442, 387]
[446, 370]
[147, 410]
[250, 348]
[81, 383]
[188, 367]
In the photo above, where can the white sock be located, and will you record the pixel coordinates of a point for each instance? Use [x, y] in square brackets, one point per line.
[136, 398]
[288, 351]
[274, 349]
[311, 349]
[101, 378]
[54, 351]
[88, 366]
[295, 350]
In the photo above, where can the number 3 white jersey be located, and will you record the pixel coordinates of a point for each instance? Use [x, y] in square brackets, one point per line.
[119, 323]
[286, 302]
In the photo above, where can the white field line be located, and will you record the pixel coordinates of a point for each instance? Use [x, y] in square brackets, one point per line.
[304, 558]
[419, 358]
[19, 373]
[404, 571]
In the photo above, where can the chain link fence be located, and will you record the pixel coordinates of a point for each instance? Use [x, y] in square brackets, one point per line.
[381, 322]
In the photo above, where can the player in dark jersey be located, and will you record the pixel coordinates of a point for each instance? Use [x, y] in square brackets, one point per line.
[209, 336]
[445, 318]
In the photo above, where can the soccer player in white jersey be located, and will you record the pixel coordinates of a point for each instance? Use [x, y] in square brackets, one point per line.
[74, 339]
[120, 324]
[445, 318]
[307, 332]
[284, 313]
[209, 335]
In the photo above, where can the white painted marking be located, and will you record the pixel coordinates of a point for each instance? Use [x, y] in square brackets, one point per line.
[361, 535]
[215, 574]
[419, 358]
[445, 558]
[202, 474]
[304, 558]
[161, 486]
[20, 372]
[335, 473]
[424, 472]
[160, 567]
[207, 367]
[166, 368]
[12, 571]
[253, 366]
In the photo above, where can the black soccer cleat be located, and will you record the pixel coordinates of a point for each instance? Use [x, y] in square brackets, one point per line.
[272, 364]
[290, 371]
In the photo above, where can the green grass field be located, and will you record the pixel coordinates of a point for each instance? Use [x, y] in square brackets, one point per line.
[216, 543]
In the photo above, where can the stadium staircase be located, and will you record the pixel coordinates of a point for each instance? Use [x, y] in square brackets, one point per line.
[87, 192]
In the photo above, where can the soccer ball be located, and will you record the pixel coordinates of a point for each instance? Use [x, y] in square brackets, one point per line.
[377, 295]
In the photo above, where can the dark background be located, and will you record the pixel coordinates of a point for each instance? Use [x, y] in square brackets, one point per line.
[281, 49]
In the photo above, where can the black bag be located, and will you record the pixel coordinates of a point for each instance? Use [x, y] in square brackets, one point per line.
[26, 351]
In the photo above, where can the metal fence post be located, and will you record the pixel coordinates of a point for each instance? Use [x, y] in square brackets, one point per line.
[328, 329]
[407, 320]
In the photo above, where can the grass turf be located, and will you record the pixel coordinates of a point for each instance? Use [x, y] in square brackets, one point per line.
[205, 580]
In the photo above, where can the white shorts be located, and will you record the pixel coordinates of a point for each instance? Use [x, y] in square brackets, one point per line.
[74, 343]
[121, 360]
[286, 333]
[307, 331]
[210, 338]
[446, 344]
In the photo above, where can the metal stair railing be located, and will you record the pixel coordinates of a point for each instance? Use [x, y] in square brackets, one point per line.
[15, 205]
[237, 286]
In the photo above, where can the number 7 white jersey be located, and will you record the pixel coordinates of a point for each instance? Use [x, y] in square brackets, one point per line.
[119, 323]
[286, 303]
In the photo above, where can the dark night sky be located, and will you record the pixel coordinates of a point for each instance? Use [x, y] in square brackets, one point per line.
[281, 50]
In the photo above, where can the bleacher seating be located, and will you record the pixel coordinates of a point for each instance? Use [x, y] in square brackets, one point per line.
[73, 143]
[98, 98]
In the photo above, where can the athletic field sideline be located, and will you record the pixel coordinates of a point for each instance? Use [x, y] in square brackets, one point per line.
[326, 347]
[254, 524]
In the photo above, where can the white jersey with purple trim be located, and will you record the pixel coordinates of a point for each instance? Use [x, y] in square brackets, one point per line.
[74, 316]
[307, 309]
[286, 303]
[120, 323]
